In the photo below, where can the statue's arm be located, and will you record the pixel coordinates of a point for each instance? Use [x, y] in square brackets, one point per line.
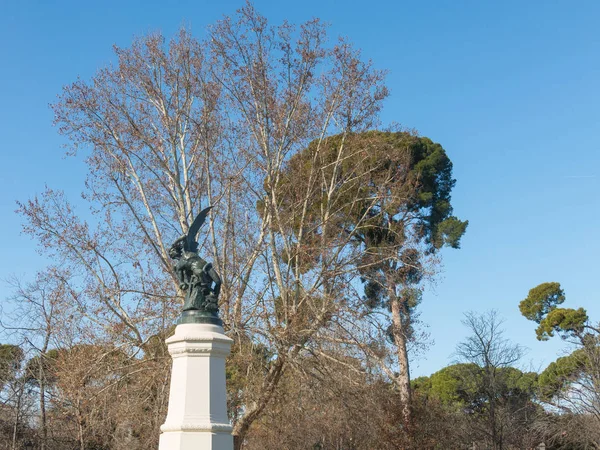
[212, 273]
[180, 272]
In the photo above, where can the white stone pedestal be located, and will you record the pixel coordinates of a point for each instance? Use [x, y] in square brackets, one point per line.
[197, 417]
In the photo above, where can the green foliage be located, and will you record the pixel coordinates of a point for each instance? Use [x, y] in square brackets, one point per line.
[456, 384]
[540, 306]
[411, 179]
[571, 379]
[421, 183]
[421, 384]
[562, 320]
[465, 386]
[408, 175]
[559, 375]
[521, 382]
[393, 187]
[449, 232]
[541, 300]
[11, 359]
[48, 360]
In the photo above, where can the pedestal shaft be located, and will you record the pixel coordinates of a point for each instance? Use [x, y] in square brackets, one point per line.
[197, 416]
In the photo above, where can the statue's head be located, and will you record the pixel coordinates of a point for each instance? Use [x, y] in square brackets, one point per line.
[182, 245]
[176, 250]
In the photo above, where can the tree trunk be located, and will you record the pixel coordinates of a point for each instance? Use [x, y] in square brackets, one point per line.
[14, 436]
[403, 379]
[80, 426]
[496, 438]
[242, 427]
[42, 383]
[271, 381]
[493, 425]
[43, 410]
[16, 425]
[237, 442]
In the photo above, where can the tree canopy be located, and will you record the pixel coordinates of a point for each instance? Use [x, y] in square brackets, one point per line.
[393, 199]
[572, 382]
[541, 306]
[463, 385]
[11, 360]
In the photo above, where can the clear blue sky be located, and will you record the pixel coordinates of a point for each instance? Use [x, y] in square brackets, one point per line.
[510, 89]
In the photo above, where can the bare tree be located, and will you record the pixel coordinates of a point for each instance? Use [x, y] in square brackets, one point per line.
[15, 401]
[36, 314]
[280, 105]
[490, 353]
[213, 121]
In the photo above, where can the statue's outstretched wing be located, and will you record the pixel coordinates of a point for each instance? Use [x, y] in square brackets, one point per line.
[195, 227]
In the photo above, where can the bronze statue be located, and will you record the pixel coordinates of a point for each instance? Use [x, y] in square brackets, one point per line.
[197, 277]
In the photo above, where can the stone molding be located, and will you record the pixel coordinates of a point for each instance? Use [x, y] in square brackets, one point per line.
[189, 341]
[200, 337]
[178, 352]
[211, 334]
[193, 426]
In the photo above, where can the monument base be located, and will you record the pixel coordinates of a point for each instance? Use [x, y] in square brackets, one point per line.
[190, 440]
[197, 416]
[197, 316]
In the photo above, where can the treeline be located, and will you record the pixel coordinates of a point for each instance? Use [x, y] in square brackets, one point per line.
[324, 228]
[97, 397]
